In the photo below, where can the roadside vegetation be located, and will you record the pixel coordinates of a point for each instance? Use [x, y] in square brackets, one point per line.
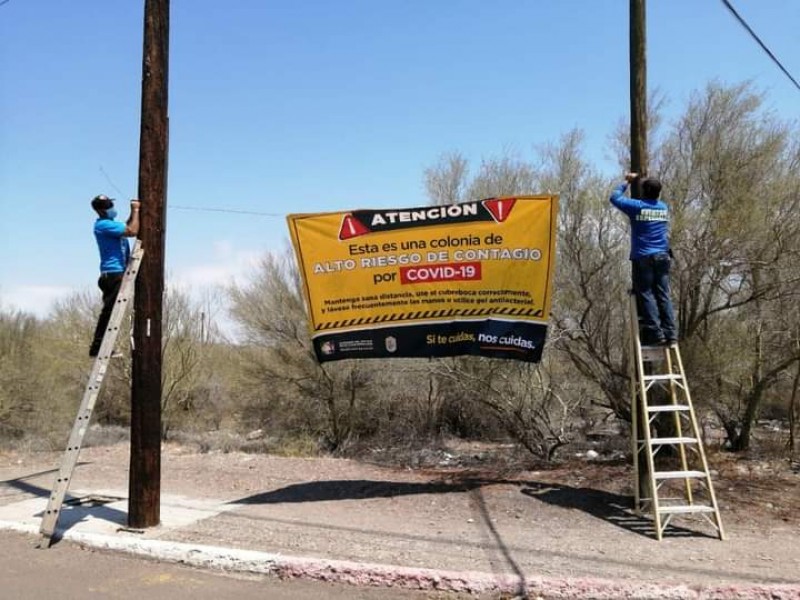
[731, 173]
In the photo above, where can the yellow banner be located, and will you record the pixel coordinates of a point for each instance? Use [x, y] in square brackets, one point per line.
[468, 278]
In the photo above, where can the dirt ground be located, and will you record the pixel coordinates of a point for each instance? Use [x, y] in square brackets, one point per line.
[566, 521]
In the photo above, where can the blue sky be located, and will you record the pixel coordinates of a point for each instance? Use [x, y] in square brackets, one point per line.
[310, 106]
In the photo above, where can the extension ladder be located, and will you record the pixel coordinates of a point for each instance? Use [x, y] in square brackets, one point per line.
[688, 489]
[95, 382]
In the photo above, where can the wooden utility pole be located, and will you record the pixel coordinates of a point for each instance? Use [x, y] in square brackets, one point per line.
[144, 490]
[638, 76]
[638, 73]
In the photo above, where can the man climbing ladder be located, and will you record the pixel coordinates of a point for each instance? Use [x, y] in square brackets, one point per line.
[660, 399]
[112, 243]
[650, 259]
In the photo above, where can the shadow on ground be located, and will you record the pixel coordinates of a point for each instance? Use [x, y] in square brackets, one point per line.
[356, 489]
[606, 506]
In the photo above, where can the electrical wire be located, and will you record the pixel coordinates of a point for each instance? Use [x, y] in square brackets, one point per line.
[749, 29]
[111, 183]
[227, 210]
[197, 208]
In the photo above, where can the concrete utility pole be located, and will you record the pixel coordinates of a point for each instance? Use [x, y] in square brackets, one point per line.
[144, 490]
[638, 73]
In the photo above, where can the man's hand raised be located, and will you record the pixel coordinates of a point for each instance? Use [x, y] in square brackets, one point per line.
[629, 177]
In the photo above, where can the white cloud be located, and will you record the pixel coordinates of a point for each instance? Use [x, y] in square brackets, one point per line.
[225, 267]
[35, 299]
[203, 281]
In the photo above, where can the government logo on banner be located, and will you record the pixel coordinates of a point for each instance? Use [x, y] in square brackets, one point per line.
[468, 278]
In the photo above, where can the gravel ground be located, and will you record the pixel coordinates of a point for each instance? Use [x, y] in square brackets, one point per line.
[568, 524]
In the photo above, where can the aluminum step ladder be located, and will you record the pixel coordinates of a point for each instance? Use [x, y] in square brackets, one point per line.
[93, 385]
[687, 489]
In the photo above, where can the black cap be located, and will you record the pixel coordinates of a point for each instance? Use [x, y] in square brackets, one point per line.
[651, 188]
[102, 202]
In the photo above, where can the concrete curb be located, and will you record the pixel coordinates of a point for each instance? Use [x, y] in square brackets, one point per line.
[379, 575]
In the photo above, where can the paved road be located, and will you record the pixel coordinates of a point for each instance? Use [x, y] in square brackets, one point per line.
[68, 572]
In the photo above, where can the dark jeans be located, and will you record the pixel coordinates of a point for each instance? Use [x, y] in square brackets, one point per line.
[109, 284]
[653, 302]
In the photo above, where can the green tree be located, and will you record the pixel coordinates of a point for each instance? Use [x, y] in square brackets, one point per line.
[730, 172]
[18, 333]
[320, 400]
[526, 401]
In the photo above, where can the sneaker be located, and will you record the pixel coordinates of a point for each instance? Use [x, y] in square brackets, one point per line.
[650, 340]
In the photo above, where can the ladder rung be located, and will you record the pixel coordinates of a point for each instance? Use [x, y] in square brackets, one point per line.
[665, 377]
[672, 440]
[667, 408]
[678, 474]
[684, 509]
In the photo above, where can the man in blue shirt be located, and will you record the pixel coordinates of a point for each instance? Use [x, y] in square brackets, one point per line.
[114, 254]
[650, 259]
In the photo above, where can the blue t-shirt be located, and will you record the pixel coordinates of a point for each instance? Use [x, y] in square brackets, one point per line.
[649, 223]
[113, 246]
